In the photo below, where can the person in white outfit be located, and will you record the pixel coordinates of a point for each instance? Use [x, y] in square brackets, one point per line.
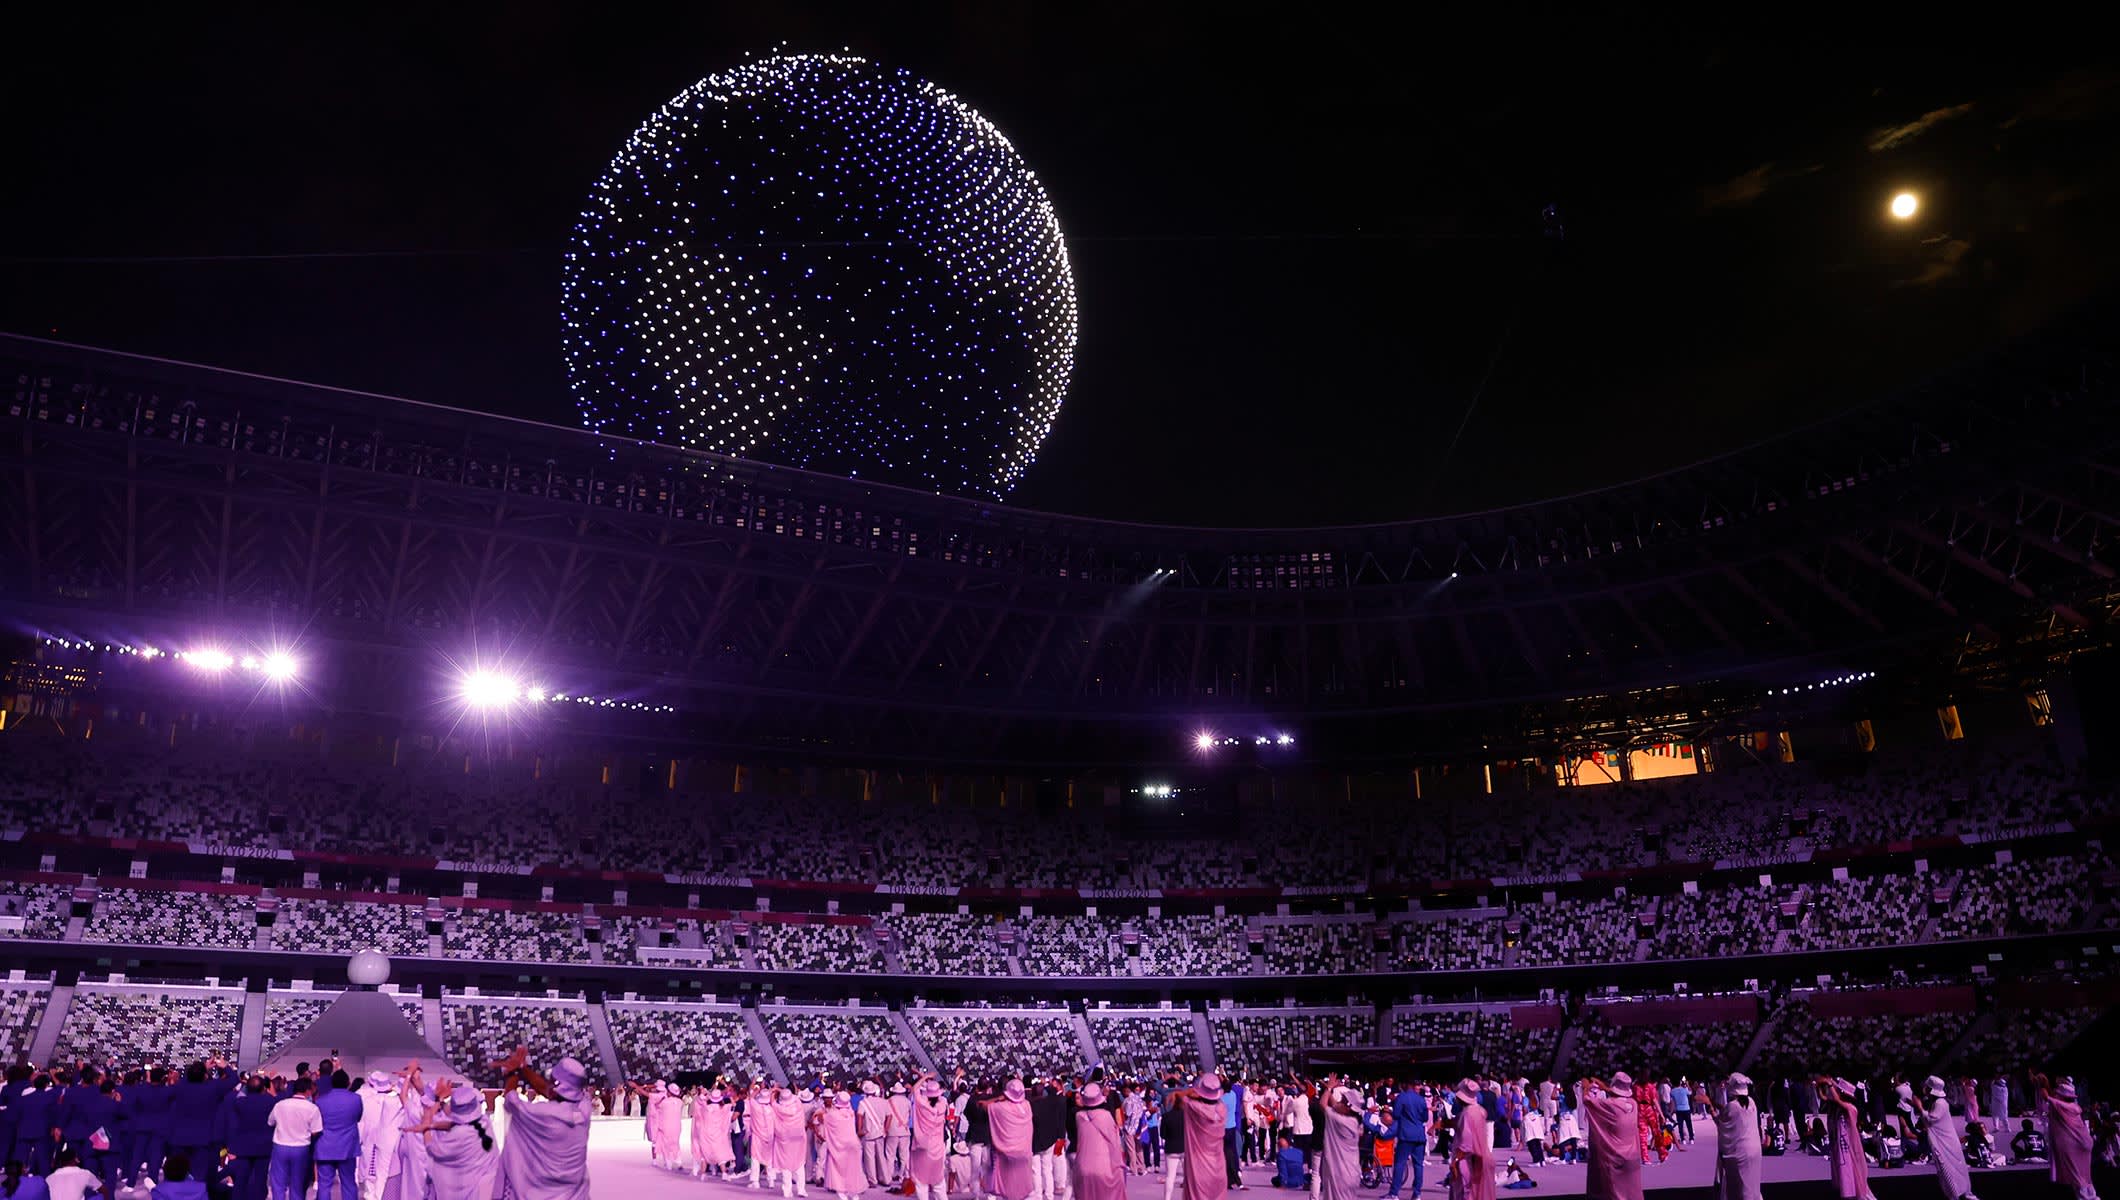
[382, 1120]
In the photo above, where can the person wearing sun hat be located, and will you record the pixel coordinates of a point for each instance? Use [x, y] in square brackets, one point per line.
[1199, 1108]
[1611, 1121]
[1009, 1128]
[839, 1146]
[712, 1120]
[1851, 1171]
[546, 1154]
[1340, 1142]
[1100, 1158]
[460, 1154]
[898, 1131]
[1472, 1153]
[1737, 1160]
[928, 1150]
[1946, 1142]
[871, 1114]
[791, 1141]
[2068, 1134]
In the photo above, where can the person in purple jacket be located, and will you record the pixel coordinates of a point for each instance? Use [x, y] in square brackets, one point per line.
[340, 1146]
[193, 1105]
[146, 1106]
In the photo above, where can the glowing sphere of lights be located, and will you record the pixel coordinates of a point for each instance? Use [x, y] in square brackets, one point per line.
[1905, 205]
[820, 262]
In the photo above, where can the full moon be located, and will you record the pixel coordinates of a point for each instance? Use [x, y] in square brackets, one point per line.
[1905, 204]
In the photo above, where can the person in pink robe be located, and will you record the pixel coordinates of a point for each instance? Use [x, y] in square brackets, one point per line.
[1471, 1148]
[1009, 1126]
[1100, 1153]
[545, 1152]
[666, 1125]
[791, 1143]
[928, 1160]
[712, 1119]
[839, 1143]
[1200, 1107]
[1851, 1171]
[2068, 1135]
[1612, 1126]
[758, 1123]
[1340, 1148]
[461, 1154]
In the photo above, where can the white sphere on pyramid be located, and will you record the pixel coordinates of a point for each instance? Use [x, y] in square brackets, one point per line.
[368, 968]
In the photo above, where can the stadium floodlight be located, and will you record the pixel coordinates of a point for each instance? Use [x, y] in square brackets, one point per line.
[1204, 741]
[1286, 739]
[534, 694]
[279, 667]
[487, 689]
[211, 660]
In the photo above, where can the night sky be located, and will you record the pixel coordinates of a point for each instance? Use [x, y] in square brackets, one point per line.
[1309, 249]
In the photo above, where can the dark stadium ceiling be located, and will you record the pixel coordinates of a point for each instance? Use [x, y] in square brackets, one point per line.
[1953, 531]
[1318, 276]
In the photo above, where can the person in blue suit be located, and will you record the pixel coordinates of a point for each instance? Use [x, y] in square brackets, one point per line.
[246, 1130]
[88, 1114]
[36, 1115]
[193, 1105]
[340, 1146]
[147, 1107]
[18, 1077]
[1409, 1115]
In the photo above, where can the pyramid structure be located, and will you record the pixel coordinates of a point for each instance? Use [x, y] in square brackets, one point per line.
[364, 1031]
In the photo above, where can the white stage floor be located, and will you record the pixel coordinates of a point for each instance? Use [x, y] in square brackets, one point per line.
[619, 1170]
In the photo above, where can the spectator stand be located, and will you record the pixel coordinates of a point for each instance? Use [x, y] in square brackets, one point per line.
[22, 1009]
[818, 1042]
[1251, 1042]
[658, 1039]
[993, 1043]
[479, 1030]
[1700, 1037]
[148, 912]
[138, 1023]
[36, 905]
[1145, 1041]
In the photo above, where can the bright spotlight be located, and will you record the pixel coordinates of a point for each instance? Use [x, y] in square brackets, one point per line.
[487, 689]
[1203, 741]
[1905, 205]
[213, 661]
[534, 694]
[279, 666]
[1286, 739]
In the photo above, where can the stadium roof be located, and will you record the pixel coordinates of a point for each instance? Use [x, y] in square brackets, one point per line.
[1966, 517]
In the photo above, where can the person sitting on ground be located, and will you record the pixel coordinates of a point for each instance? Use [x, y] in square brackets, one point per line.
[1288, 1166]
[1513, 1177]
[2029, 1145]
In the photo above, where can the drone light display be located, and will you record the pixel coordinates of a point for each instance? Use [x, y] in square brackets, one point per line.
[817, 261]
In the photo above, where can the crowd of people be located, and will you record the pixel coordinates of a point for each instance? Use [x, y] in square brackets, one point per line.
[288, 797]
[210, 1130]
[1025, 1136]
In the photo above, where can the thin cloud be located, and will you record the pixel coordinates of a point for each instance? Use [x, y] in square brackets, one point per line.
[1751, 185]
[1891, 137]
[1941, 260]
